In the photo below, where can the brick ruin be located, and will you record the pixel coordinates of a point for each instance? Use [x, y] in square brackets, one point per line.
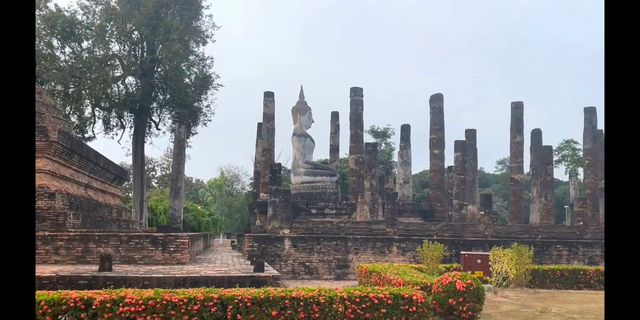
[76, 187]
[79, 210]
[323, 236]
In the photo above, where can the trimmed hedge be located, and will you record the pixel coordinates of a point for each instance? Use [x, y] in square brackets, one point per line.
[566, 277]
[398, 275]
[266, 303]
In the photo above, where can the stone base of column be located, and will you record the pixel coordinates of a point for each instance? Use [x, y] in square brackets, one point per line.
[315, 192]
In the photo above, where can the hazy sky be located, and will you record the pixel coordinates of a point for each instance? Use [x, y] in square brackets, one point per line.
[480, 54]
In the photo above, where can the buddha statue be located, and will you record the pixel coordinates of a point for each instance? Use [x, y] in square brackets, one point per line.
[303, 169]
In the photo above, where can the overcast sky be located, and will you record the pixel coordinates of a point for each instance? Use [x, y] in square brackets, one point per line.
[481, 55]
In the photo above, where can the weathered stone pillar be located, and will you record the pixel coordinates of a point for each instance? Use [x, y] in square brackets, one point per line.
[279, 203]
[579, 211]
[356, 143]
[516, 167]
[449, 193]
[601, 199]
[590, 155]
[471, 160]
[257, 163]
[486, 208]
[391, 212]
[546, 208]
[486, 203]
[268, 145]
[535, 170]
[368, 202]
[403, 185]
[459, 182]
[334, 139]
[600, 167]
[437, 190]
[176, 190]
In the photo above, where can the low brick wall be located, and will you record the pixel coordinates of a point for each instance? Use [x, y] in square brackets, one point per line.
[126, 247]
[335, 257]
[95, 282]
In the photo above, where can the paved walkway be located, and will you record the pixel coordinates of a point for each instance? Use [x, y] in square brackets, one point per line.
[215, 261]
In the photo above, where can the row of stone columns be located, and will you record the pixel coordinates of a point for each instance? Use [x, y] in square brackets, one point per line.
[453, 192]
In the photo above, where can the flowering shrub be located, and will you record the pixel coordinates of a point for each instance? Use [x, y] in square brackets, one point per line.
[266, 303]
[399, 275]
[457, 295]
[393, 275]
[510, 266]
[566, 277]
[431, 255]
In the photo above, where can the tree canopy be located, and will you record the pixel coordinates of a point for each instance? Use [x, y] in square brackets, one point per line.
[123, 65]
[568, 154]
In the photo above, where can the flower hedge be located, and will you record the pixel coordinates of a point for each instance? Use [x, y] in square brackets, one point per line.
[566, 277]
[398, 275]
[457, 295]
[266, 303]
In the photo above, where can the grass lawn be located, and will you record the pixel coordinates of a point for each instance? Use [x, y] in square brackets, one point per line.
[526, 304]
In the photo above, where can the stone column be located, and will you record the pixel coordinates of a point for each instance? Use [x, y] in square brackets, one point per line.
[449, 193]
[403, 185]
[535, 170]
[459, 182]
[368, 202]
[279, 205]
[334, 139]
[601, 199]
[471, 160]
[268, 145]
[516, 179]
[546, 208]
[437, 191]
[356, 143]
[600, 170]
[486, 203]
[257, 163]
[590, 154]
[176, 191]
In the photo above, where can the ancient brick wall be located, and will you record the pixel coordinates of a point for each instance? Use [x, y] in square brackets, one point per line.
[107, 281]
[76, 187]
[335, 257]
[126, 247]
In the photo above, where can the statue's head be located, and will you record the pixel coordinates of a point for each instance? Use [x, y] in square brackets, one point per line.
[301, 113]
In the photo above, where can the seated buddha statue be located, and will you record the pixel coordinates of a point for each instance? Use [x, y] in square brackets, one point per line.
[303, 169]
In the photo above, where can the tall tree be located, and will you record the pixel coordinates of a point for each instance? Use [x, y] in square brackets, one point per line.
[127, 65]
[386, 153]
[568, 154]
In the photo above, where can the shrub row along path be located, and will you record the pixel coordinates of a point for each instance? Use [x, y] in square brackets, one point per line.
[215, 261]
[513, 304]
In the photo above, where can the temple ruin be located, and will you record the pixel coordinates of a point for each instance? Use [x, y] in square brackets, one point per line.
[310, 232]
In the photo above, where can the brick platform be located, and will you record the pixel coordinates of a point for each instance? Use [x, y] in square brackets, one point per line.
[218, 266]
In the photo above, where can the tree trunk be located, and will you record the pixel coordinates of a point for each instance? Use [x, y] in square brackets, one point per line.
[177, 176]
[138, 141]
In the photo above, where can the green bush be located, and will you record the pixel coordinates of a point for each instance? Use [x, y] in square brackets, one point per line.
[511, 266]
[197, 219]
[431, 255]
[259, 304]
[394, 275]
[457, 295]
[158, 206]
[566, 277]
